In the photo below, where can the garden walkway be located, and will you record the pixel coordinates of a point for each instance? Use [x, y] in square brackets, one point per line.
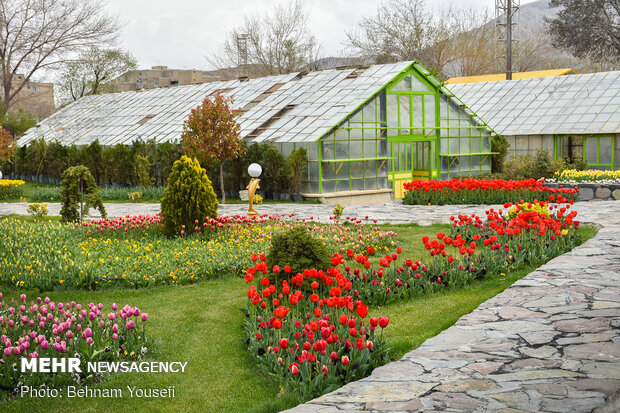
[550, 342]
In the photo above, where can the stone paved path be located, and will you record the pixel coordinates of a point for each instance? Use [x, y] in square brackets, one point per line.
[393, 212]
[548, 343]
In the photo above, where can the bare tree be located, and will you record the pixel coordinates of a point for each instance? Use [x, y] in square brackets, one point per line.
[277, 43]
[89, 74]
[401, 30]
[38, 34]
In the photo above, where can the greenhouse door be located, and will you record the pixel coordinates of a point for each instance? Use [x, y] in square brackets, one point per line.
[409, 160]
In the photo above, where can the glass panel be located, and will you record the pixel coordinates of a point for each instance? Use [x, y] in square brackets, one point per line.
[329, 186]
[417, 114]
[341, 134]
[369, 111]
[357, 169]
[486, 162]
[454, 163]
[370, 149]
[327, 150]
[369, 133]
[382, 148]
[403, 85]
[313, 152]
[454, 146]
[382, 169]
[356, 149]
[591, 150]
[443, 146]
[445, 162]
[355, 133]
[342, 170]
[486, 144]
[604, 150]
[357, 184]
[418, 86]
[370, 168]
[313, 170]
[433, 157]
[342, 185]
[356, 117]
[464, 147]
[383, 182]
[405, 114]
[475, 145]
[392, 114]
[342, 150]
[429, 111]
[327, 168]
[370, 183]
[313, 187]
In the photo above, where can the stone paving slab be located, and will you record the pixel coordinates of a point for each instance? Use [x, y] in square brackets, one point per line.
[550, 342]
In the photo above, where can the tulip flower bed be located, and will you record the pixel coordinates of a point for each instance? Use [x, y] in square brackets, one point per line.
[309, 329]
[522, 234]
[132, 251]
[591, 176]
[311, 343]
[10, 189]
[480, 191]
[44, 328]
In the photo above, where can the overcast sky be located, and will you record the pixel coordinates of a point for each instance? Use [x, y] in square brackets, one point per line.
[179, 33]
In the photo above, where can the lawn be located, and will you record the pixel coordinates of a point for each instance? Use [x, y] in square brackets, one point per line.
[202, 324]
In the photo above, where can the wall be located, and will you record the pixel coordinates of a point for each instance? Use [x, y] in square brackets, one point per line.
[594, 192]
[524, 144]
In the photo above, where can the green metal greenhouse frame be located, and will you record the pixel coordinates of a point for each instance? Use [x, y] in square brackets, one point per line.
[393, 136]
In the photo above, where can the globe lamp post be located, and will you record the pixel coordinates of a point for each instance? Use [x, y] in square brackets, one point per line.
[254, 170]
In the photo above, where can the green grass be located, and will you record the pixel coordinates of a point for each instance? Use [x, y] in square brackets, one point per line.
[202, 324]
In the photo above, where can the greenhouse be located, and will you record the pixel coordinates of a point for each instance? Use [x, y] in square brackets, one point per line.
[366, 129]
[573, 117]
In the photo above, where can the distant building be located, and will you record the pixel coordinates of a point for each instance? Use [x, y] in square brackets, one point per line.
[496, 77]
[159, 76]
[35, 98]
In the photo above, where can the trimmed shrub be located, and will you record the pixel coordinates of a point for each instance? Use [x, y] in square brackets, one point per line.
[188, 197]
[142, 171]
[298, 249]
[79, 185]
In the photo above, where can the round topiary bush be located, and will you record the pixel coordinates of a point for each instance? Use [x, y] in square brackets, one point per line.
[298, 249]
[188, 197]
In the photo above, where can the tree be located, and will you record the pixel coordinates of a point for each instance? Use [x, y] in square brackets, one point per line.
[7, 145]
[588, 28]
[212, 134]
[79, 189]
[89, 74]
[277, 43]
[40, 34]
[401, 30]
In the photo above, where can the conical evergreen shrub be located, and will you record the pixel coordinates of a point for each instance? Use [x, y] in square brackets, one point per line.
[188, 197]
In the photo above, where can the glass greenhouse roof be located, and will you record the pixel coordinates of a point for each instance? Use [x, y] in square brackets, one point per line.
[287, 108]
[577, 104]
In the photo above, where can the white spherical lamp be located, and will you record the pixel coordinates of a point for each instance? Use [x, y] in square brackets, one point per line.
[254, 170]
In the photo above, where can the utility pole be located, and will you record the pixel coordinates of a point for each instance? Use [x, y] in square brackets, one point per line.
[505, 19]
[242, 49]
